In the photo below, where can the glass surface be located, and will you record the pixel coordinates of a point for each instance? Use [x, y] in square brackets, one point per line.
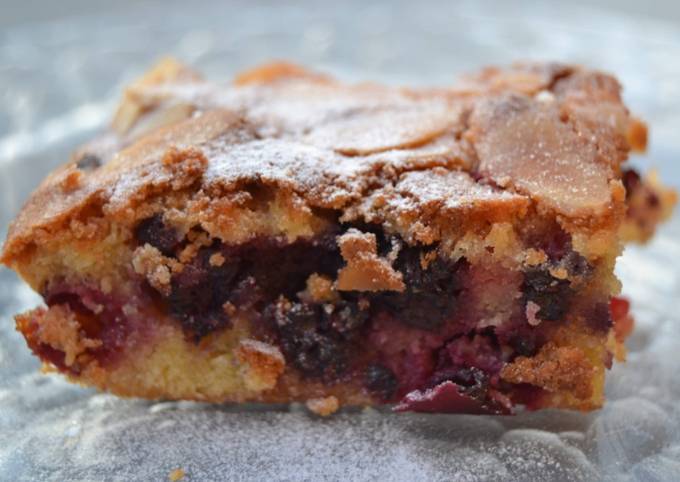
[59, 81]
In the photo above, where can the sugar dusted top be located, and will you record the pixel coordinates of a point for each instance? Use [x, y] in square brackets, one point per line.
[544, 137]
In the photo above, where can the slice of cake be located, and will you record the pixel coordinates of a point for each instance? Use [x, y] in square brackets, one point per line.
[288, 237]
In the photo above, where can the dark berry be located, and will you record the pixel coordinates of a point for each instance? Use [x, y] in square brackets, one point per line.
[153, 231]
[314, 352]
[88, 162]
[431, 293]
[552, 295]
[199, 292]
[252, 275]
[346, 316]
[558, 244]
[599, 317]
[576, 264]
[189, 291]
[380, 381]
[523, 345]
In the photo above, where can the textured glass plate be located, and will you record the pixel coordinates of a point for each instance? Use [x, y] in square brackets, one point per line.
[58, 84]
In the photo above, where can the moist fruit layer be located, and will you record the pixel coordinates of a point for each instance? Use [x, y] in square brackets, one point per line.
[443, 326]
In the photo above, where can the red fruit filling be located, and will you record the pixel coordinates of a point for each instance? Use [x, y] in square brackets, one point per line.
[394, 343]
[622, 321]
[100, 316]
[449, 397]
[422, 346]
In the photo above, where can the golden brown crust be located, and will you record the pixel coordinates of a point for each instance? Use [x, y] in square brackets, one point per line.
[333, 146]
[555, 369]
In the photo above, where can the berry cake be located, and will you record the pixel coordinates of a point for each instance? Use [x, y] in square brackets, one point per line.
[288, 237]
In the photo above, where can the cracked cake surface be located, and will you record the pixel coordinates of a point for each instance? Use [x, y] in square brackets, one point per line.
[288, 237]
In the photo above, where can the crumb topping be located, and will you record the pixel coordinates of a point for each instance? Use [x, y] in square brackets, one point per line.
[365, 270]
[554, 369]
[320, 289]
[414, 160]
[149, 262]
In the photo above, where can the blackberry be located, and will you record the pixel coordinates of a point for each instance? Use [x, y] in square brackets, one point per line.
[523, 345]
[198, 293]
[431, 293]
[154, 232]
[552, 295]
[346, 317]
[576, 264]
[316, 353]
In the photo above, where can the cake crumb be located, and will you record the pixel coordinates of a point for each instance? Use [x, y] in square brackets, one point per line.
[156, 268]
[229, 308]
[72, 180]
[426, 258]
[559, 272]
[365, 270]
[555, 369]
[532, 310]
[185, 165]
[177, 474]
[637, 135]
[534, 257]
[324, 406]
[216, 260]
[320, 289]
[261, 364]
[58, 328]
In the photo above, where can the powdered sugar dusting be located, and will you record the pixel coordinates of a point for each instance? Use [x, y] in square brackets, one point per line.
[52, 430]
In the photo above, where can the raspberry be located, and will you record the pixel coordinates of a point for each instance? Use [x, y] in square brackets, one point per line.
[472, 381]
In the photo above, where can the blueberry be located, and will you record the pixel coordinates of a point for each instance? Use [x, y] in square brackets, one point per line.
[153, 231]
[312, 350]
[431, 294]
[552, 295]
